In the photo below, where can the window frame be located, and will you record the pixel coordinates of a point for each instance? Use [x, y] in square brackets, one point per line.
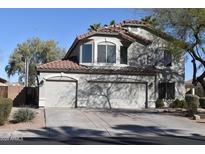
[167, 94]
[123, 49]
[166, 53]
[81, 53]
[103, 53]
[106, 44]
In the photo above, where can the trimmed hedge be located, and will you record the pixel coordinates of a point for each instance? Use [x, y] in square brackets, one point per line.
[5, 109]
[192, 98]
[192, 108]
[24, 115]
[159, 103]
[202, 102]
[178, 104]
[192, 104]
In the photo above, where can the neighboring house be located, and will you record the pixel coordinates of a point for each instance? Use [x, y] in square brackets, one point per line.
[3, 87]
[119, 66]
[10, 90]
[3, 82]
[195, 90]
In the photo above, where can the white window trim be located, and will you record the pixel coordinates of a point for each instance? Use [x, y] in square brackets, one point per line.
[106, 43]
[81, 53]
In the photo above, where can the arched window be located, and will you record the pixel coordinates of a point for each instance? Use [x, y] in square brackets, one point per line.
[106, 52]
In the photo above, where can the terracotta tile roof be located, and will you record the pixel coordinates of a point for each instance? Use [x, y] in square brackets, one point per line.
[70, 66]
[116, 29]
[60, 65]
[2, 80]
[134, 22]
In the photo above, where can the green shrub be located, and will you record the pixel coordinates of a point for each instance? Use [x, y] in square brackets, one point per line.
[192, 98]
[202, 102]
[192, 104]
[24, 115]
[178, 104]
[192, 108]
[159, 103]
[5, 109]
[184, 104]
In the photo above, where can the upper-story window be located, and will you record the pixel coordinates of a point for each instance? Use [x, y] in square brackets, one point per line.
[123, 55]
[106, 52]
[167, 59]
[87, 53]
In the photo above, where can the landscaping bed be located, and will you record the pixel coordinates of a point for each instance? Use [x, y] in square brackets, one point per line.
[37, 122]
[181, 112]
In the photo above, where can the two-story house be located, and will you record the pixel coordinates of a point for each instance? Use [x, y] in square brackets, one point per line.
[119, 66]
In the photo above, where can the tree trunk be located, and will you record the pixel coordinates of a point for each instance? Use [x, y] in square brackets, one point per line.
[194, 80]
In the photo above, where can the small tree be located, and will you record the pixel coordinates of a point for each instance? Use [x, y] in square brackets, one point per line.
[37, 52]
[188, 27]
[150, 20]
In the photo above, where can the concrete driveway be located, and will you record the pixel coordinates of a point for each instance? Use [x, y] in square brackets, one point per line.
[98, 122]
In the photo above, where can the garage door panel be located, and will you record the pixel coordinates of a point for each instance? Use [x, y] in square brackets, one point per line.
[118, 95]
[60, 94]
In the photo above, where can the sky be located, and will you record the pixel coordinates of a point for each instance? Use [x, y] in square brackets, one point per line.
[62, 25]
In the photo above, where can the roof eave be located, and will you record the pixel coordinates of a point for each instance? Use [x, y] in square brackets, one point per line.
[3, 80]
[71, 48]
[88, 71]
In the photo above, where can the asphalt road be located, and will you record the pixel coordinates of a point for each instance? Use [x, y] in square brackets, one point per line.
[160, 140]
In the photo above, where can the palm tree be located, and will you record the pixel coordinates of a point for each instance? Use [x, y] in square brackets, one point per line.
[94, 27]
[149, 20]
[112, 22]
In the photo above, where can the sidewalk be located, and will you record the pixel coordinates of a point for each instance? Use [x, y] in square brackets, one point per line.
[35, 133]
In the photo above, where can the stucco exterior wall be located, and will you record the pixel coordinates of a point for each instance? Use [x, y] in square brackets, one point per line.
[136, 85]
[140, 31]
[75, 54]
[88, 95]
[153, 55]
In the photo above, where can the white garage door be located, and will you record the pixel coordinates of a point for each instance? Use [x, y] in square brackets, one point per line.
[60, 94]
[118, 95]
